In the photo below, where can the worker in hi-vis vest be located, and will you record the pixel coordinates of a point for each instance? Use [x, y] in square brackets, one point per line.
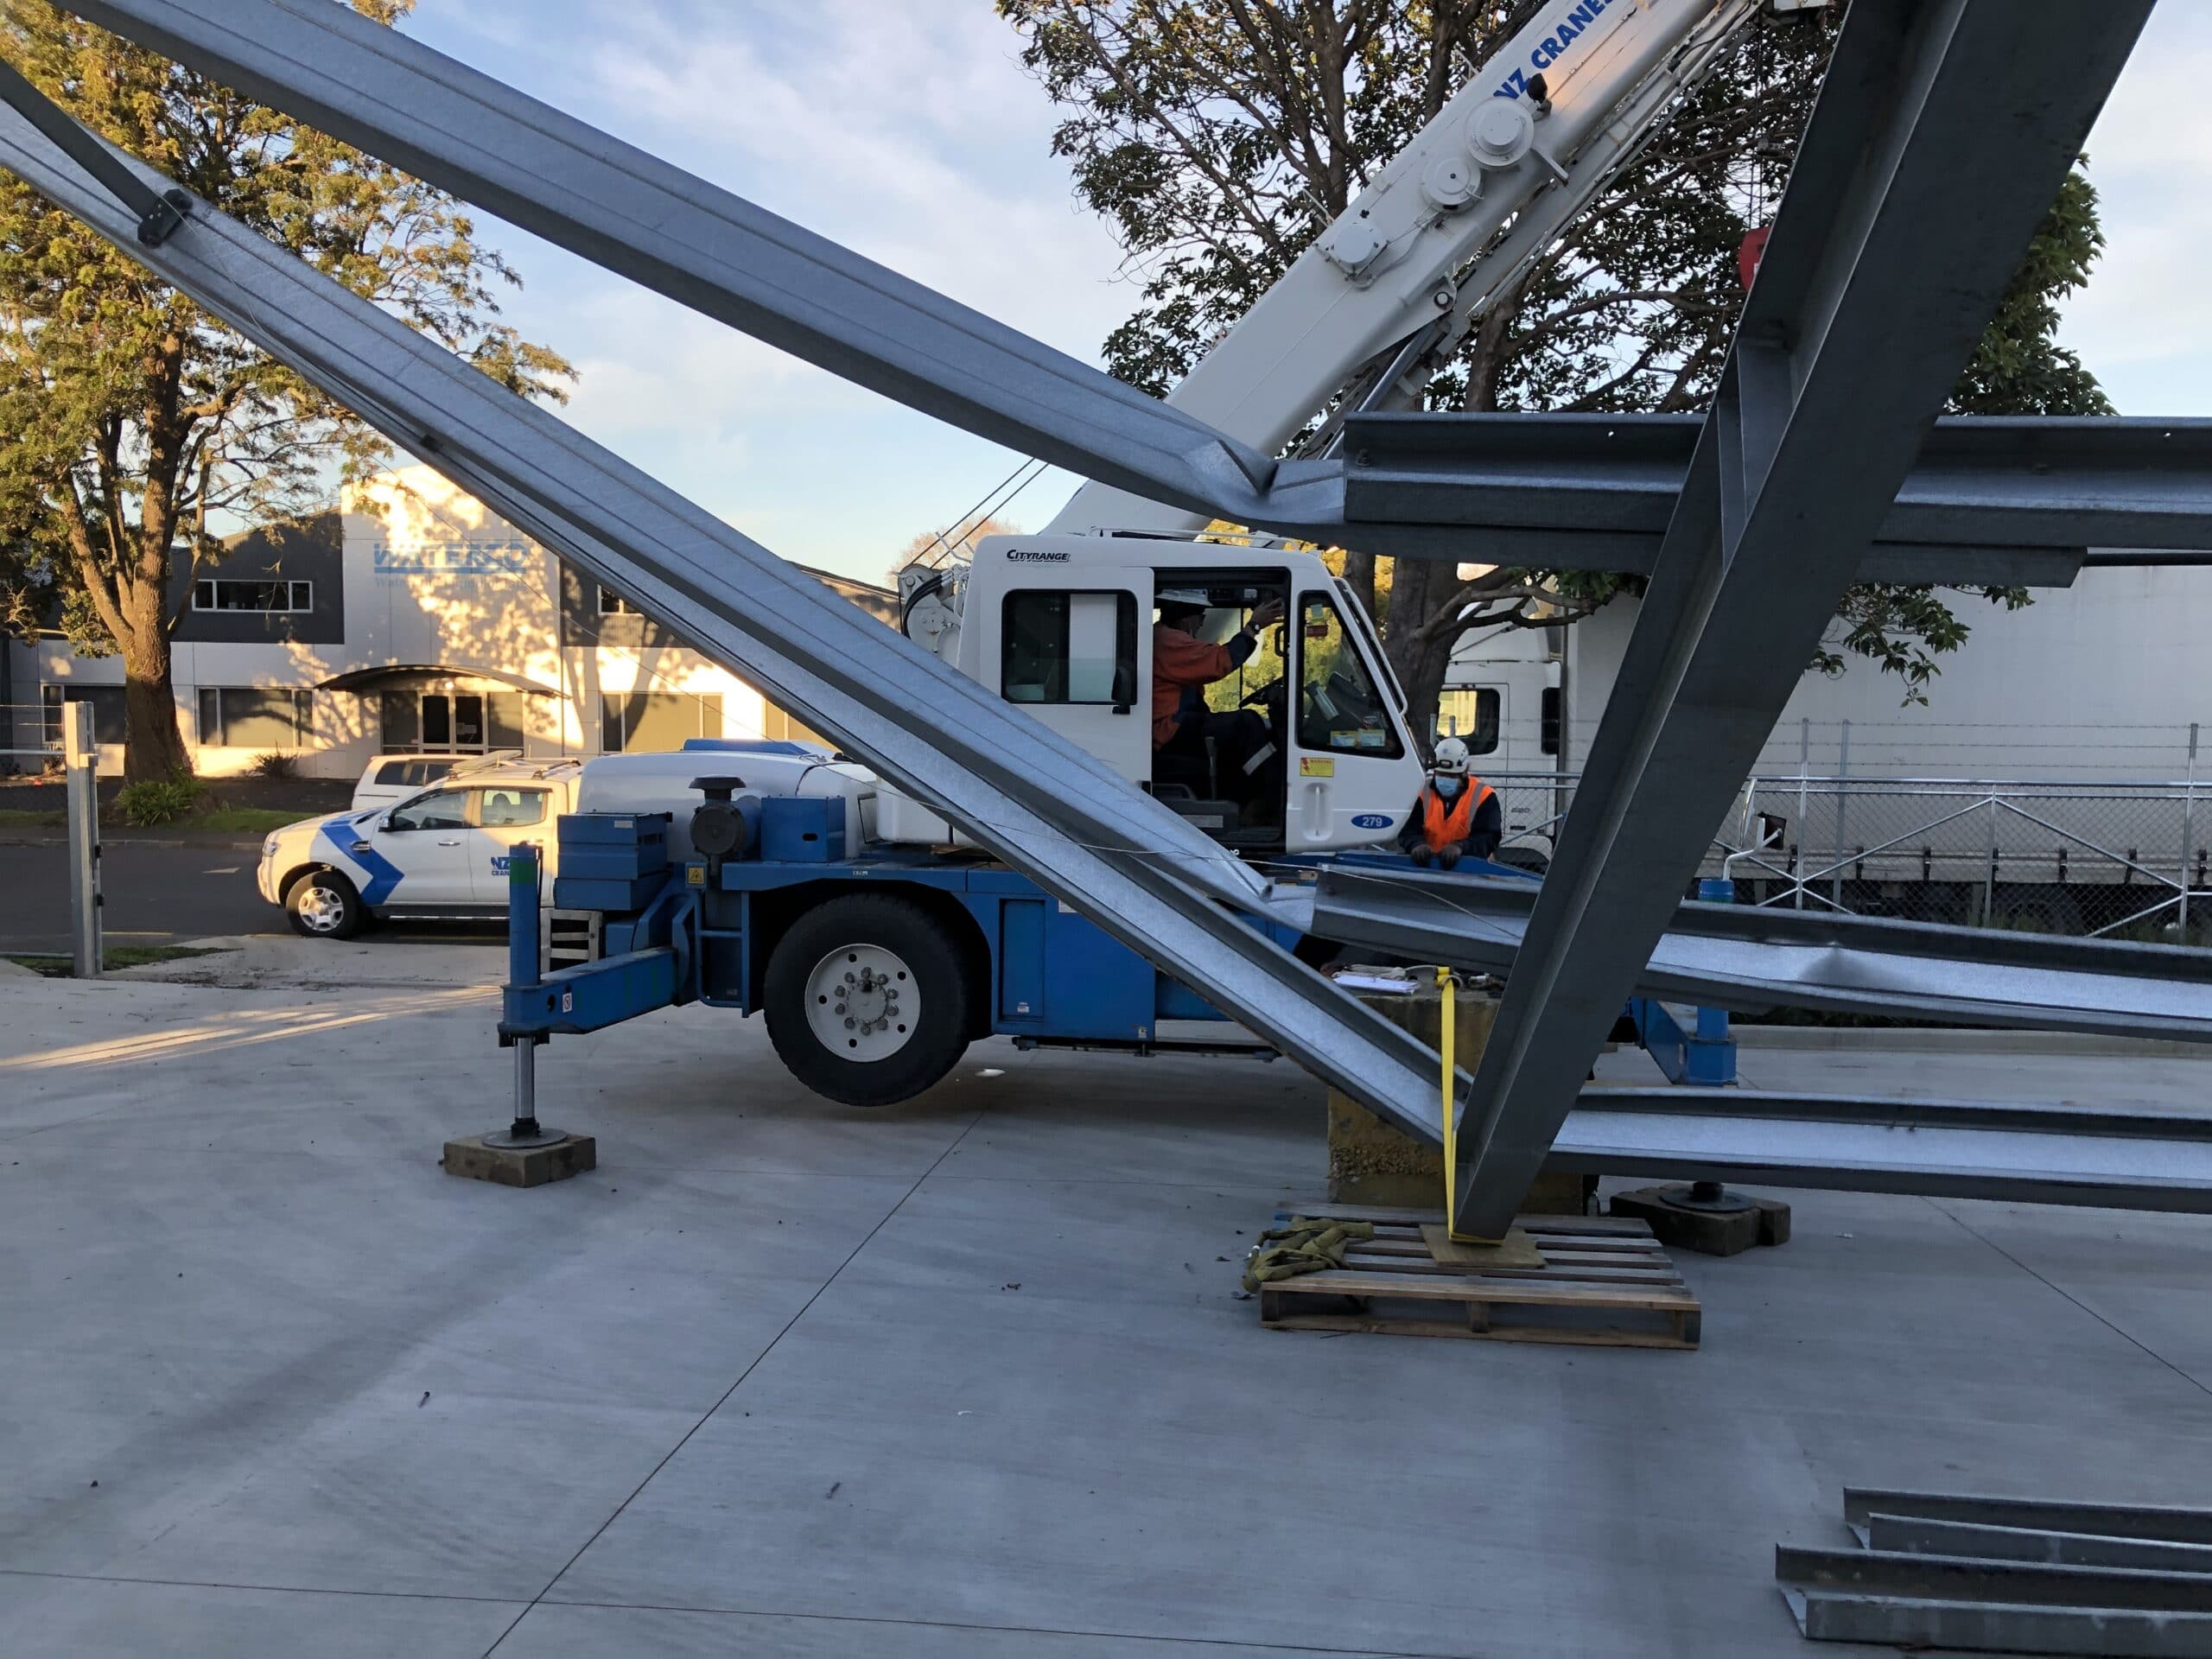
[1455, 814]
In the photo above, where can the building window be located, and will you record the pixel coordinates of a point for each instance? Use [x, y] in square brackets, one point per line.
[226, 594]
[1471, 715]
[656, 721]
[1069, 647]
[255, 717]
[107, 701]
[613, 604]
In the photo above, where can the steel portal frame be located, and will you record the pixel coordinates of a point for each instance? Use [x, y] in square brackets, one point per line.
[1878, 281]
[730, 259]
[1879, 278]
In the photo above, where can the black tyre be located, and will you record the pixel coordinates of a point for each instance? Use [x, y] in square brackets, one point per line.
[866, 999]
[322, 905]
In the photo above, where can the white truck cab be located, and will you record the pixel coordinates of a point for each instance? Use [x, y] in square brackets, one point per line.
[1065, 626]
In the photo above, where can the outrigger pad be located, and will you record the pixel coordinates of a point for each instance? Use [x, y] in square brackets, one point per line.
[479, 1158]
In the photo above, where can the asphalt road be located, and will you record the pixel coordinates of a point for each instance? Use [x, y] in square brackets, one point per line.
[158, 894]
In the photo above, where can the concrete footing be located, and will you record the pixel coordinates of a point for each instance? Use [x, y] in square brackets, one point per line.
[486, 1158]
[1707, 1230]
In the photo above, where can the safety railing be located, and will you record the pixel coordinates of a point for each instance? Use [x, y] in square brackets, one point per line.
[2127, 860]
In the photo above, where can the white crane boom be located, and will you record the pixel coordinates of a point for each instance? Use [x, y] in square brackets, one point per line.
[1525, 143]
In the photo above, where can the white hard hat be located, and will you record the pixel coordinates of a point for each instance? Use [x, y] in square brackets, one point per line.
[1195, 597]
[1451, 759]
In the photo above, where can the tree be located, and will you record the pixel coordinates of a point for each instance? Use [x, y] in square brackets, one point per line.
[953, 542]
[138, 425]
[1219, 139]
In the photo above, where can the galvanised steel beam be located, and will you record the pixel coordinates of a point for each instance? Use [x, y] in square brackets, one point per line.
[729, 259]
[1081, 831]
[2119, 1160]
[2051, 482]
[1754, 958]
[1942, 134]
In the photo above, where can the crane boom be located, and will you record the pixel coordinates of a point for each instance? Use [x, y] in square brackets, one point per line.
[1401, 275]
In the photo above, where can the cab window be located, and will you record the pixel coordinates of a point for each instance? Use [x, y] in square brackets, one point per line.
[1340, 709]
[507, 808]
[1469, 713]
[442, 808]
[1065, 647]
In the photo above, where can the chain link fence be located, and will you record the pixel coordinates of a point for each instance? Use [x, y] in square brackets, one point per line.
[2116, 859]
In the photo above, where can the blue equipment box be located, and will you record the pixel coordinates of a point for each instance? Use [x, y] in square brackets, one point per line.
[592, 893]
[611, 846]
[803, 829]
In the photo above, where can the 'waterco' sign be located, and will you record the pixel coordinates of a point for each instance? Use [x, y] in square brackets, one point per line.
[510, 556]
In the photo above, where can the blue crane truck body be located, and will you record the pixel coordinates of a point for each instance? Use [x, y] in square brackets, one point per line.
[902, 954]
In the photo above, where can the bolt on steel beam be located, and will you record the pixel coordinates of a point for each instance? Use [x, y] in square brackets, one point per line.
[1940, 135]
[1050, 809]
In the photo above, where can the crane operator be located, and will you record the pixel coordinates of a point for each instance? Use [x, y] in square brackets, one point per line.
[1183, 665]
[1456, 813]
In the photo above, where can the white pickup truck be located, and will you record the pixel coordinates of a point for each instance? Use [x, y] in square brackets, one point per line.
[443, 853]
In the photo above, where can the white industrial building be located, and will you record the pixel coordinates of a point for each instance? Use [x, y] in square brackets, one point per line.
[410, 618]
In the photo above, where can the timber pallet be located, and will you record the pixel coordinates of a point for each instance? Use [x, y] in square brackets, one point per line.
[1606, 1280]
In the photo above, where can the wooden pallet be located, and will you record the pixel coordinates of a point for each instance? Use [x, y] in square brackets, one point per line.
[1606, 1280]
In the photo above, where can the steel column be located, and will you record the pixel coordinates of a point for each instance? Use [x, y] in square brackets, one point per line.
[1942, 134]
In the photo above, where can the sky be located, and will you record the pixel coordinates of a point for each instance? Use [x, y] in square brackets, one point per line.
[908, 130]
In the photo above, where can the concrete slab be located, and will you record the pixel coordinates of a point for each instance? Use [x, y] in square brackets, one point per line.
[552, 1630]
[968, 1377]
[190, 1621]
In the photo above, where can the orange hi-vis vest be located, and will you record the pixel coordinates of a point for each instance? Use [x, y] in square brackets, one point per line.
[1441, 825]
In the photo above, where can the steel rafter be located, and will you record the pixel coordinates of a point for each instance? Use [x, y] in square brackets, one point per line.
[1049, 808]
[1942, 134]
[1606, 484]
[1754, 958]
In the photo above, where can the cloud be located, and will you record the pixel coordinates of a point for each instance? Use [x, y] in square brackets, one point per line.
[2143, 314]
[909, 133]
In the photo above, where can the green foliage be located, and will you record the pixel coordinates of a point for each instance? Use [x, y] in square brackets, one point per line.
[153, 801]
[134, 418]
[1219, 139]
[275, 763]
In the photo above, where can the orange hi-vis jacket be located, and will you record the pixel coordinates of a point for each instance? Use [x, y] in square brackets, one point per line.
[1441, 825]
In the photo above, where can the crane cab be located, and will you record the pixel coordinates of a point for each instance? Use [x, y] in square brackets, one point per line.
[1295, 742]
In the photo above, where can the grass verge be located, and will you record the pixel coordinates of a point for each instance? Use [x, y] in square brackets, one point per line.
[214, 819]
[116, 956]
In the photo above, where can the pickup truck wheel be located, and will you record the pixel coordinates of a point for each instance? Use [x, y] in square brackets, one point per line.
[322, 905]
[866, 999]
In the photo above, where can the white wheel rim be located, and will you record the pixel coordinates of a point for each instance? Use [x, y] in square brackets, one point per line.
[861, 1003]
[321, 908]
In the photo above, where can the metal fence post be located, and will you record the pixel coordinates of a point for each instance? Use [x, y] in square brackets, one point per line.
[1989, 876]
[81, 755]
[1804, 810]
[2188, 829]
[1842, 788]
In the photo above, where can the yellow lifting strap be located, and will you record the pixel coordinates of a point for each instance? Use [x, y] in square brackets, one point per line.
[1448, 992]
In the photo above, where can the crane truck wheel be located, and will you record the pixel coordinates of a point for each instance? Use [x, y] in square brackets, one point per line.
[866, 999]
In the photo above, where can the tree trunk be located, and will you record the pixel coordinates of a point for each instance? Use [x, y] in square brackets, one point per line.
[1419, 588]
[153, 746]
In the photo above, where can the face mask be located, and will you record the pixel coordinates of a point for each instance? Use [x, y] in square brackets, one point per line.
[1448, 785]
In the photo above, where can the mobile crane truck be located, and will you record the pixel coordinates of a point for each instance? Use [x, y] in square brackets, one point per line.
[760, 876]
